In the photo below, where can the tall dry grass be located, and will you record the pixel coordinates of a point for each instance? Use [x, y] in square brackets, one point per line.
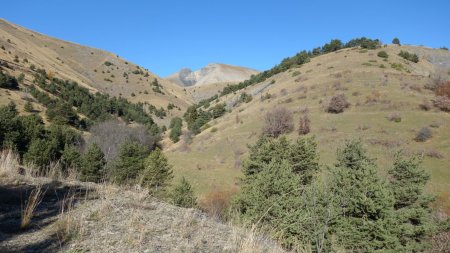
[35, 198]
[9, 163]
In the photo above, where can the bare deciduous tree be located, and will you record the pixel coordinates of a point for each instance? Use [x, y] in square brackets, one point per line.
[278, 121]
[109, 135]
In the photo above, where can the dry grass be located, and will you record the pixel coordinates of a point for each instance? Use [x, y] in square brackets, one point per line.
[35, 198]
[9, 163]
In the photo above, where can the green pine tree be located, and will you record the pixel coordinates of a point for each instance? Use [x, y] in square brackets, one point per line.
[157, 172]
[183, 194]
[130, 162]
[93, 164]
[366, 220]
[413, 213]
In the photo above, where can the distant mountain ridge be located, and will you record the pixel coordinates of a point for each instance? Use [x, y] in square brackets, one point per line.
[211, 73]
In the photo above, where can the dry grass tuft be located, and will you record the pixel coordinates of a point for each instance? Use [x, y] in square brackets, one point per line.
[9, 163]
[35, 198]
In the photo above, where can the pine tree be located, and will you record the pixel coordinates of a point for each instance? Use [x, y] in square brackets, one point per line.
[407, 181]
[183, 195]
[301, 155]
[157, 172]
[130, 162]
[93, 163]
[396, 41]
[70, 158]
[366, 221]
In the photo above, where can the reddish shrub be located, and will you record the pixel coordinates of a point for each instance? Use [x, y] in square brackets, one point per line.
[338, 104]
[443, 90]
[216, 202]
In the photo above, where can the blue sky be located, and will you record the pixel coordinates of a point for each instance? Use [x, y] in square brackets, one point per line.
[165, 36]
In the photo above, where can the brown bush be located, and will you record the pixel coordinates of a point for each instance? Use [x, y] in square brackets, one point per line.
[216, 202]
[338, 104]
[278, 121]
[443, 90]
[442, 102]
[395, 117]
[423, 134]
[304, 126]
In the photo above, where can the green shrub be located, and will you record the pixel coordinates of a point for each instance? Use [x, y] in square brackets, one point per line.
[8, 82]
[383, 54]
[183, 195]
[409, 56]
[423, 134]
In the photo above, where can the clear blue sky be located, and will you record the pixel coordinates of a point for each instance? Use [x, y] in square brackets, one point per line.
[164, 35]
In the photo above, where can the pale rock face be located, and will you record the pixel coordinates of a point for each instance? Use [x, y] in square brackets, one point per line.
[211, 73]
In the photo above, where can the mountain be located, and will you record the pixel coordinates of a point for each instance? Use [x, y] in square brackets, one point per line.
[25, 51]
[211, 74]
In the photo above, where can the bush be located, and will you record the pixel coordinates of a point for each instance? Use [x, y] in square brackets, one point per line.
[8, 82]
[409, 56]
[383, 54]
[443, 103]
[304, 125]
[216, 203]
[443, 89]
[183, 195]
[394, 117]
[337, 104]
[278, 121]
[28, 107]
[175, 129]
[423, 134]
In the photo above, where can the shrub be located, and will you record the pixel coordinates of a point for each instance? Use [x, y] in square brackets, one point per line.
[216, 203]
[442, 102]
[409, 56]
[304, 125]
[423, 134]
[394, 117]
[28, 107]
[337, 104]
[183, 195]
[245, 98]
[443, 89]
[108, 63]
[7, 81]
[383, 54]
[278, 121]
[175, 126]
[425, 105]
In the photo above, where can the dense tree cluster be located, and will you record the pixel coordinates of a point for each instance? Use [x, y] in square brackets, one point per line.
[197, 117]
[69, 95]
[353, 209]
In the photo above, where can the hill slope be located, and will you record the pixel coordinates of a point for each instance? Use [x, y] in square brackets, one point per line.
[93, 68]
[375, 88]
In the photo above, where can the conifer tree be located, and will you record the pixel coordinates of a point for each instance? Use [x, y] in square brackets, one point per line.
[183, 195]
[412, 206]
[157, 172]
[93, 163]
[130, 162]
[366, 218]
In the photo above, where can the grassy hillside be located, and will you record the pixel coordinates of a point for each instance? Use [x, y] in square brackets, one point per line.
[376, 89]
[24, 50]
